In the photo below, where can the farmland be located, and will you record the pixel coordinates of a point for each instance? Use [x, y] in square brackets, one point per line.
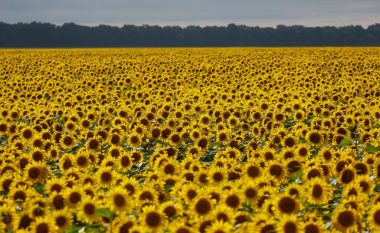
[190, 140]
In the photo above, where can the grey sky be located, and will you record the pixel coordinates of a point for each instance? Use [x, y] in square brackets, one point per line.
[193, 12]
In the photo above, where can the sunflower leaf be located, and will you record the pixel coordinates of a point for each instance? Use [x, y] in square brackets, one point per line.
[377, 188]
[290, 122]
[345, 142]
[371, 148]
[103, 212]
[40, 188]
[3, 140]
[73, 229]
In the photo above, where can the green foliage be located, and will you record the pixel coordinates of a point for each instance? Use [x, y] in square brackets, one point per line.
[75, 148]
[345, 142]
[371, 148]
[40, 188]
[104, 212]
[3, 140]
[290, 122]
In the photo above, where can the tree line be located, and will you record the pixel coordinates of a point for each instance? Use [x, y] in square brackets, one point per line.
[38, 34]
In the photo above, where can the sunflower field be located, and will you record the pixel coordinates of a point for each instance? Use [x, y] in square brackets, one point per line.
[190, 140]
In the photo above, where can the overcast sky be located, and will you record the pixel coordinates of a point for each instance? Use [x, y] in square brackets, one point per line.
[193, 12]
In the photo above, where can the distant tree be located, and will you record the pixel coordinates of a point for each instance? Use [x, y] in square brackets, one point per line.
[36, 34]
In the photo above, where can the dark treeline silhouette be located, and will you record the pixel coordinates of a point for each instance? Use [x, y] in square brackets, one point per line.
[37, 34]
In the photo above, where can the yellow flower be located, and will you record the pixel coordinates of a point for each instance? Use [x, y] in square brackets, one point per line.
[62, 218]
[118, 200]
[43, 224]
[219, 227]
[289, 223]
[152, 218]
[374, 217]
[87, 209]
[347, 220]
[319, 192]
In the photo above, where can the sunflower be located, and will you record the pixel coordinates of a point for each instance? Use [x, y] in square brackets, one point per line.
[319, 191]
[67, 142]
[82, 159]
[27, 133]
[23, 220]
[106, 176]
[146, 194]
[54, 153]
[137, 156]
[347, 175]
[87, 209]
[224, 213]
[155, 132]
[289, 141]
[94, 144]
[202, 142]
[36, 171]
[175, 139]
[181, 227]
[8, 217]
[289, 224]
[20, 193]
[218, 175]
[252, 170]
[73, 196]
[134, 139]
[286, 204]
[5, 182]
[346, 219]
[223, 135]
[43, 225]
[294, 189]
[202, 205]
[314, 138]
[152, 218]
[119, 200]
[57, 200]
[130, 185]
[233, 198]
[169, 168]
[125, 162]
[276, 170]
[114, 139]
[62, 219]
[250, 191]
[219, 227]
[123, 224]
[313, 222]
[269, 225]
[171, 209]
[374, 217]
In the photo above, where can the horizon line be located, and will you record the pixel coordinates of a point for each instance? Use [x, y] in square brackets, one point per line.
[191, 25]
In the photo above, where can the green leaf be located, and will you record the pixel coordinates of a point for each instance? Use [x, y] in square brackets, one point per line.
[377, 188]
[103, 212]
[168, 187]
[296, 176]
[247, 207]
[289, 122]
[345, 142]
[40, 188]
[73, 229]
[3, 140]
[3, 193]
[371, 148]
[314, 151]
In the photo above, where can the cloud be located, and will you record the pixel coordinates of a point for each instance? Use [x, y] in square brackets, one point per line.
[195, 12]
